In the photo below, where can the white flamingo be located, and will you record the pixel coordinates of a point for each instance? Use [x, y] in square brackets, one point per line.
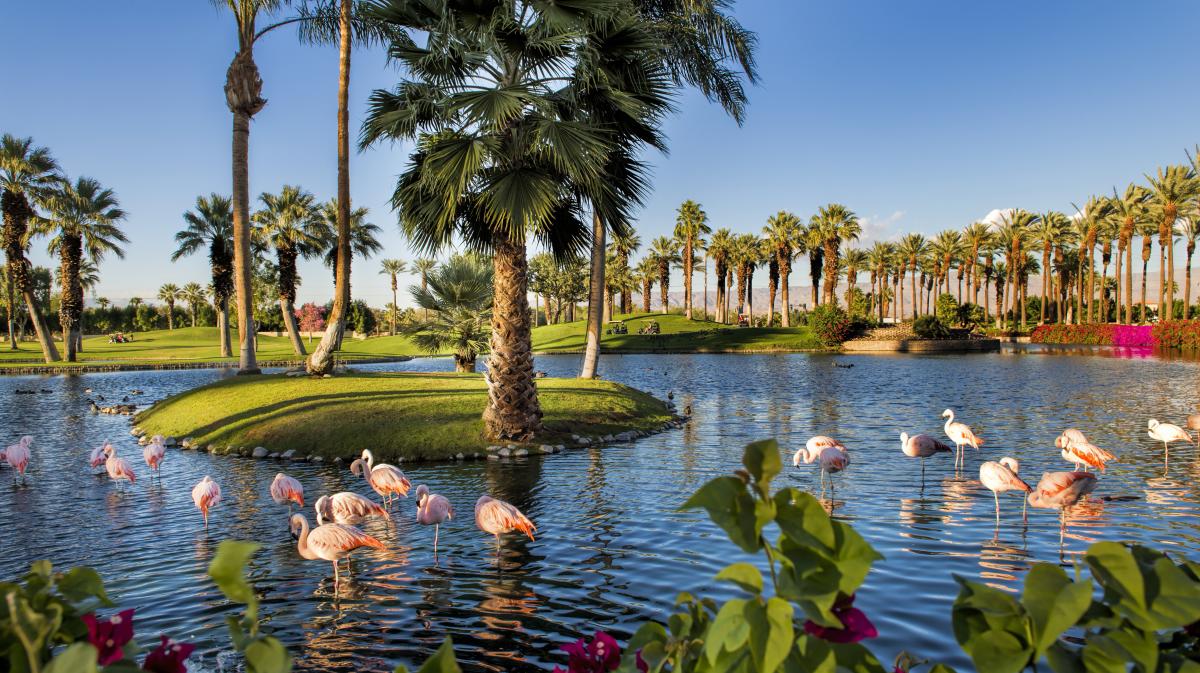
[1002, 476]
[1167, 433]
[922, 446]
[962, 435]
[828, 453]
[387, 480]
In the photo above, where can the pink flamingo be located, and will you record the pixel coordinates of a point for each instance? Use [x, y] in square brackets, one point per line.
[98, 456]
[1001, 476]
[433, 510]
[348, 508]
[1193, 423]
[922, 446]
[206, 494]
[1167, 433]
[154, 452]
[17, 457]
[1060, 490]
[497, 517]
[329, 542]
[387, 480]
[117, 467]
[286, 489]
[829, 455]
[1069, 436]
[1083, 453]
[962, 435]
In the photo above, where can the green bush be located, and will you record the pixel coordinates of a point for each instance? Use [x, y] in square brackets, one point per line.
[929, 327]
[830, 323]
[947, 309]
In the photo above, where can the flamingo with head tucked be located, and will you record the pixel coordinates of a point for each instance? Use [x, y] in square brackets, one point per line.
[962, 435]
[154, 452]
[1083, 453]
[117, 467]
[497, 517]
[1167, 433]
[329, 542]
[828, 453]
[17, 456]
[1070, 435]
[387, 480]
[97, 457]
[206, 495]
[285, 489]
[922, 446]
[1061, 490]
[1000, 477]
[433, 510]
[348, 508]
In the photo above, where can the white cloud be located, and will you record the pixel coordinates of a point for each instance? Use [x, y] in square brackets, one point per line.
[876, 228]
[996, 216]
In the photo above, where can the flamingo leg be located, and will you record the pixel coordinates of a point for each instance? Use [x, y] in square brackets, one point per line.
[497, 545]
[336, 577]
[435, 539]
[1024, 504]
[996, 497]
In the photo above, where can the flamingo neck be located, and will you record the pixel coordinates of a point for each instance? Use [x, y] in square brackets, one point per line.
[302, 542]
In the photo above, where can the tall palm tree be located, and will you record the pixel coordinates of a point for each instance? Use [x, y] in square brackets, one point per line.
[623, 245]
[647, 273]
[1129, 213]
[210, 226]
[911, 249]
[720, 249]
[1172, 192]
[1048, 231]
[1091, 216]
[1106, 230]
[392, 268]
[947, 247]
[813, 242]
[691, 223]
[1148, 229]
[856, 260]
[748, 253]
[977, 237]
[169, 293]
[1013, 232]
[194, 295]
[783, 234]
[82, 218]
[837, 224]
[27, 174]
[458, 296]
[364, 241]
[1189, 230]
[665, 252]
[290, 224]
[424, 266]
[879, 259]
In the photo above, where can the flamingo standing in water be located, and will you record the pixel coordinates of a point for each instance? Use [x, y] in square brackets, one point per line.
[117, 467]
[154, 453]
[1193, 423]
[97, 457]
[17, 457]
[828, 453]
[1083, 453]
[1001, 476]
[348, 508]
[922, 446]
[962, 435]
[387, 480]
[286, 489]
[497, 517]
[206, 495]
[329, 542]
[1167, 433]
[1061, 490]
[433, 510]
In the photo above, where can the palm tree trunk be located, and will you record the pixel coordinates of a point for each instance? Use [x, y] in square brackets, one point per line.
[1045, 282]
[1091, 283]
[513, 411]
[591, 353]
[1129, 282]
[16, 223]
[322, 361]
[12, 314]
[1120, 279]
[247, 361]
[70, 252]
[704, 270]
[785, 272]
[1162, 279]
[664, 287]
[750, 297]
[1147, 253]
[1187, 279]
[647, 290]
[687, 278]
[1170, 252]
[913, 285]
[289, 322]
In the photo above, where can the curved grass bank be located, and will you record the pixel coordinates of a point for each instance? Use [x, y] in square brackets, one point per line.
[397, 416]
[679, 335]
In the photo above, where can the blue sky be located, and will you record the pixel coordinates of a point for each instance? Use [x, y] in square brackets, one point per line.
[919, 115]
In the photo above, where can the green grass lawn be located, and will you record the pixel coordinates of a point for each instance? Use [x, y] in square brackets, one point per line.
[409, 416]
[679, 335]
[196, 344]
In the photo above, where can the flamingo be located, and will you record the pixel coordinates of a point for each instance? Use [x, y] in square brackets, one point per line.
[1060, 490]
[496, 517]
[1069, 436]
[98, 456]
[117, 467]
[1166, 433]
[286, 489]
[433, 509]
[1001, 476]
[922, 446]
[348, 508]
[962, 435]
[387, 480]
[329, 542]
[1193, 423]
[17, 457]
[1084, 454]
[828, 453]
[154, 452]
[206, 494]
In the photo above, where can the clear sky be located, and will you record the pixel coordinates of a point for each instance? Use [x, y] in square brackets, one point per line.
[919, 115]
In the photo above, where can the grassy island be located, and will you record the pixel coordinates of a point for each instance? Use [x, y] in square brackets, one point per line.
[678, 335]
[405, 416]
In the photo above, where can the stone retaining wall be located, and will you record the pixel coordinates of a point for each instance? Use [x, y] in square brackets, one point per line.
[921, 345]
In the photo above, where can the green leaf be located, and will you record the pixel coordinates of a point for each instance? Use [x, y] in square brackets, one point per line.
[732, 508]
[814, 655]
[744, 575]
[763, 463]
[267, 655]
[780, 633]
[801, 517]
[442, 660]
[941, 668]
[1054, 603]
[1103, 655]
[228, 571]
[82, 583]
[729, 631]
[1174, 597]
[1117, 571]
[1063, 659]
[856, 657]
[998, 652]
[992, 628]
[77, 658]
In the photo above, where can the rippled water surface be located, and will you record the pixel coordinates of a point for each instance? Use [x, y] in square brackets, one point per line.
[611, 549]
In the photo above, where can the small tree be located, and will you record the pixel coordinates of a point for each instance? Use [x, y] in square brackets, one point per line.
[311, 318]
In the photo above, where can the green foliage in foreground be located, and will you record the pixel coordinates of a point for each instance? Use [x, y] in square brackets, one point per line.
[396, 415]
[1144, 619]
[678, 335]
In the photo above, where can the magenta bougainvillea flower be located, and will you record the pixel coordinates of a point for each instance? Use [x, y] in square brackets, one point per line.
[855, 625]
[602, 655]
[110, 635]
[168, 657]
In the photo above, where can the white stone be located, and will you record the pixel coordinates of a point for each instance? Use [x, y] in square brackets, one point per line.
[492, 456]
[316, 459]
[521, 452]
[290, 454]
[459, 456]
[503, 453]
[274, 455]
[260, 452]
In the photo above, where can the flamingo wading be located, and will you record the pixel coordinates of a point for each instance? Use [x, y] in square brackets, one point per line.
[329, 542]
[117, 467]
[828, 453]
[285, 489]
[206, 495]
[497, 517]
[348, 508]
[433, 510]
[386, 480]
[962, 435]
[1061, 490]
[922, 446]
[1000, 477]
[17, 456]
[1167, 433]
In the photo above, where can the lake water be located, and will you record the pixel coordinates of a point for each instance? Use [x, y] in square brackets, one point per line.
[611, 549]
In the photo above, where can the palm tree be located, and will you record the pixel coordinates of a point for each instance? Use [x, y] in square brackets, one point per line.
[1130, 214]
[1049, 230]
[977, 237]
[211, 226]
[912, 248]
[27, 174]
[720, 249]
[289, 223]
[1189, 230]
[623, 245]
[1091, 216]
[813, 242]
[647, 274]
[194, 295]
[947, 248]
[691, 223]
[836, 223]
[1106, 230]
[458, 296]
[880, 258]
[392, 268]
[364, 241]
[783, 234]
[748, 255]
[856, 259]
[82, 218]
[423, 267]
[665, 252]
[1012, 233]
[1172, 191]
[168, 293]
[135, 302]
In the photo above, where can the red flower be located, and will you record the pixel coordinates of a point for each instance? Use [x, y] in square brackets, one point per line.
[600, 656]
[855, 625]
[168, 657]
[111, 635]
